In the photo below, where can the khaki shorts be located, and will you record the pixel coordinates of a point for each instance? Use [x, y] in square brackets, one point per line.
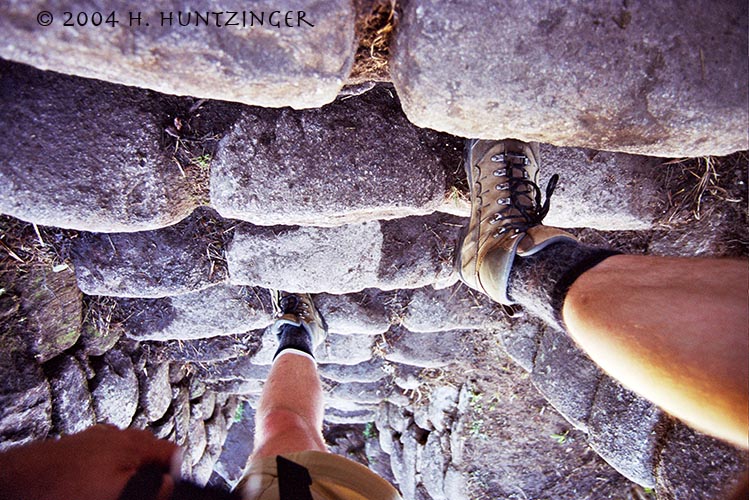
[333, 478]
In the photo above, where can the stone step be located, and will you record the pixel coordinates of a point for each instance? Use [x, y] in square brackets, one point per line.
[626, 431]
[201, 351]
[182, 258]
[694, 465]
[87, 155]
[340, 417]
[297, 58]
[212, 312]
[454, 308]
[368, 371]
[358, 313]
[566, 377]
[404, 253]
[627, 77]
[428, 350]
[354, 160]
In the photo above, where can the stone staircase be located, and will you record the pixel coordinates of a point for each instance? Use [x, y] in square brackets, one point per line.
[172, 215]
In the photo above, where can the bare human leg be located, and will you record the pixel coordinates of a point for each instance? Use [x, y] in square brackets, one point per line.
[290, 414]
[674, 330]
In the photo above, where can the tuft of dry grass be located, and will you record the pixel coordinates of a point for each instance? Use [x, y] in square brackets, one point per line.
[694, 181]
[375, 24]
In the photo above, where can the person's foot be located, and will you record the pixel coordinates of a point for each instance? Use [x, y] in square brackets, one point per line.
[506, 214]
[298, 309]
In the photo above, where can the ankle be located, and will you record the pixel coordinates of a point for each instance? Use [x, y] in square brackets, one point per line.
[540, 282]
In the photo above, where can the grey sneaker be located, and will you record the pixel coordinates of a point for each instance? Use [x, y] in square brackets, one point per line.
[506, 214]
[297, 309]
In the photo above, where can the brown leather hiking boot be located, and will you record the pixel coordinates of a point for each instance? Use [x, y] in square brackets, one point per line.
[506, 214]
[297, 309]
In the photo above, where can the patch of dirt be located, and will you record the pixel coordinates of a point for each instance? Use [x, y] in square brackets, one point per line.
[192, 131]
[376, 21]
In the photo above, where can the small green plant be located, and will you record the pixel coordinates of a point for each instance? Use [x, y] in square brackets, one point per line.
[239, 413]
[649, 491]
[203, 161]
[560, 438]
[370, 431]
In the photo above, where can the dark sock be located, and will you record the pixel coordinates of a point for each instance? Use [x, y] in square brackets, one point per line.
[294, 337]
[540, 282]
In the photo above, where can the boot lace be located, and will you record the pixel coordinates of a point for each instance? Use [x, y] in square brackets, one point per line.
[524, 208]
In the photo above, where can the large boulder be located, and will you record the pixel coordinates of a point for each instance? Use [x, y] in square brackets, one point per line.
[218, 310]
[354, 160]
[86, 155]
[150, 264]
[268, 55]
[662, 78]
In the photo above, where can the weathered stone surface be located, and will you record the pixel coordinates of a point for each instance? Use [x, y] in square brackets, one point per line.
[205, 405]
[242, 368]
[25, 402]
[637, 78]
[155, 391]
[345, 349]
[432, 467]
[427, 350]
[566, 377]
[456, 486]
[72, 409]
[322, 167]
[342, 417]
[204, 350]
[367, 371]
[305, 259]
[443, 405]
[368, 393]
[115, 390]
[602, 190]
[196, 439]
[237, 447]
[149, 264]
[99, 334]
[403, 461]
[454, 308]
[693, 465]
[181, 404]
[362, 313]
[215, 430]
[52, 304]
[237, 387]
[418, 251]
[67, 132]
[625, 430]
[218, 310]
[406, 253]
[296, 58]
[520, 340]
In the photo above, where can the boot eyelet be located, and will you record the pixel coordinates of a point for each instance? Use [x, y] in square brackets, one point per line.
[500, 172]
